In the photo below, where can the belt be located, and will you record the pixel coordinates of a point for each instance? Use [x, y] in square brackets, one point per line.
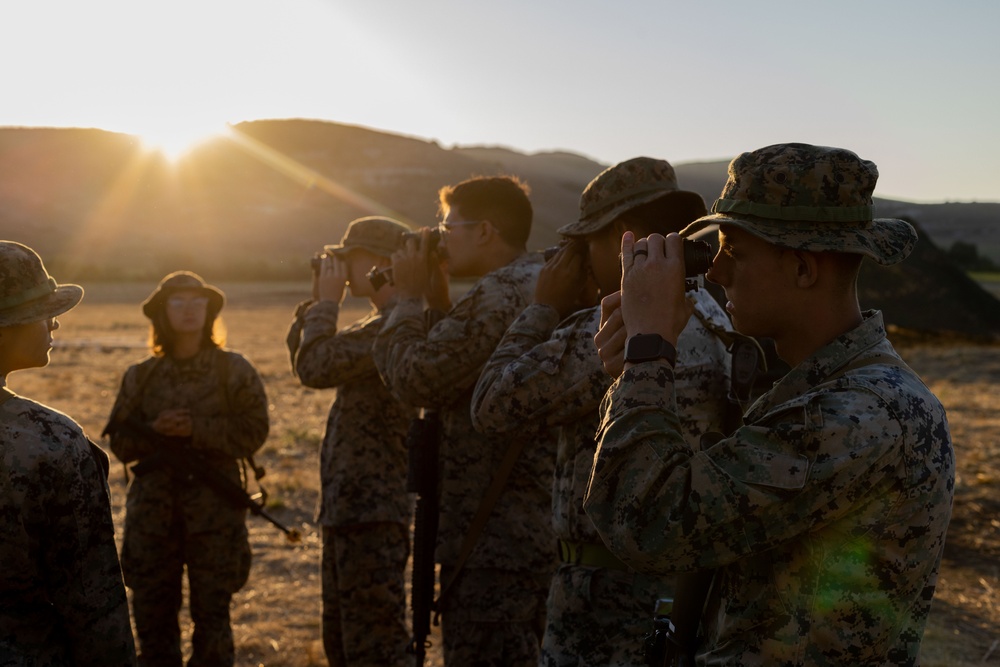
[589, 555]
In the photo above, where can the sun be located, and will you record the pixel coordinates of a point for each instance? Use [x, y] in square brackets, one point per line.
[174, 138]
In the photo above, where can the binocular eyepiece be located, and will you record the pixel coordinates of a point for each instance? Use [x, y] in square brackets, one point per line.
[698, 257]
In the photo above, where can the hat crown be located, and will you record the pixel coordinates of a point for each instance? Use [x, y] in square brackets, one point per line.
[637, 178]
[181, 280]
[800, 182]
[382, 236]
[23, 277]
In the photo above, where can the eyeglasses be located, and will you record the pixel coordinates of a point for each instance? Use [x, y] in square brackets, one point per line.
[180, 302]
[448, 226]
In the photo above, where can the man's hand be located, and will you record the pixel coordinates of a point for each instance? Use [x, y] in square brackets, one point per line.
[611, 337]
[563, 281]
[410, 269]
[332, 279]
[653, 296]
[174, 422]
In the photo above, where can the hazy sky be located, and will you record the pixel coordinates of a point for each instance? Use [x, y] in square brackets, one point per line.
[913, 85]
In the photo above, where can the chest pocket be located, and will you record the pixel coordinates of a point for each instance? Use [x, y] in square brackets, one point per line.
[768, 455]
[763, 467]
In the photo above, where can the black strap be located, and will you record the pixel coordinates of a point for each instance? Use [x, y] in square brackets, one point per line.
[483, 512]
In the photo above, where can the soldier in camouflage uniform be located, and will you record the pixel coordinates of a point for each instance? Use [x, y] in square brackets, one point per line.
[598, 609]
[826, 513]
[190, 388]
[62, 600]
[364, 508]
[493, 613]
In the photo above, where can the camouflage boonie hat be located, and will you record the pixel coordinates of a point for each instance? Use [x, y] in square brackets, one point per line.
[620, 188]
[27, 292]
[809, 198]
[382, 236]
[182, 280]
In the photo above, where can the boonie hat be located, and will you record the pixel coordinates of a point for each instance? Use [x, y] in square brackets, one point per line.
[809, 198]
[27, 292]
[623, 187]
[183, 280]
[382, 236]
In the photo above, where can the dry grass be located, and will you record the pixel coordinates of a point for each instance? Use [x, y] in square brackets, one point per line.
[276, 617]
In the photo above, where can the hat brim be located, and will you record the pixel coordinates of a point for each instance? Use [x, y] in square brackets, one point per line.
[343, 250]
[598, 222]
[216, 299]
[64, 298]
[886, 241]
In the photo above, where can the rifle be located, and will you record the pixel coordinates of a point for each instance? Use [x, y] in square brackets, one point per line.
[423, 442]
[677, 623]
[177, 453]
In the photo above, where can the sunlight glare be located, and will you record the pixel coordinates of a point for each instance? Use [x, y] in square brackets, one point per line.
[174, 139]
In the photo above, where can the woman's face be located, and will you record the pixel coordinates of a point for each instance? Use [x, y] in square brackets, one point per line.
[186, 311]
[26, 345]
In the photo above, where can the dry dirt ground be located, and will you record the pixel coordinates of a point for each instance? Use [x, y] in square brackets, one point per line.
[276, 616]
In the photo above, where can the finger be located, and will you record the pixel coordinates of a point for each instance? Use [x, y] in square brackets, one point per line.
[616, 342]
[655, 245]
[628, 246]
[611, 331]
[609, 305]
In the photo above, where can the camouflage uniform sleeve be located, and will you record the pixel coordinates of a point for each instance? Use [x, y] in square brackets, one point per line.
[293, 339]
[243, 429]
[126, 446]
[532, 365]
[82, 562]
[663, 508]
[435, 367]
[328, 358]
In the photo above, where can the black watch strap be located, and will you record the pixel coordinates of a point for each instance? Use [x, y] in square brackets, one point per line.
[649, 347]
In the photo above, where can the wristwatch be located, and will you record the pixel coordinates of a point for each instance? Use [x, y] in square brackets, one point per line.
[649, 347]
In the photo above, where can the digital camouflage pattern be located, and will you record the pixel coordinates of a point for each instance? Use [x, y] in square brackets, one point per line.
[836, 486]
[364, 508]
[382, 236]
[27, 292]
[625, 186]
[549, 373]
[62, 600]
[438, 367]
[363, 458]
[364, 593]
[172, 520]
[600, 616]
[809, 198]
[493, 618]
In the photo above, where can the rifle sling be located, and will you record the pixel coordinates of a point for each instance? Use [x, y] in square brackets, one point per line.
[483, 512]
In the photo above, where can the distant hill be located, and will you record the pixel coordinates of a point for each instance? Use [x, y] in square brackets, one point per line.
[257, 205]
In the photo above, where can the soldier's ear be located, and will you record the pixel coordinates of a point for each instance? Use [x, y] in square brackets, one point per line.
[805, 266]
[488, 232]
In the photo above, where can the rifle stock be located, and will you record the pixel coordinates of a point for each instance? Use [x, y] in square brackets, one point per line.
[177, 453]
[423, 443]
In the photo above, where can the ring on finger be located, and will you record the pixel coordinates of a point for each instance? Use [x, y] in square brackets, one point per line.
[640, 251]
